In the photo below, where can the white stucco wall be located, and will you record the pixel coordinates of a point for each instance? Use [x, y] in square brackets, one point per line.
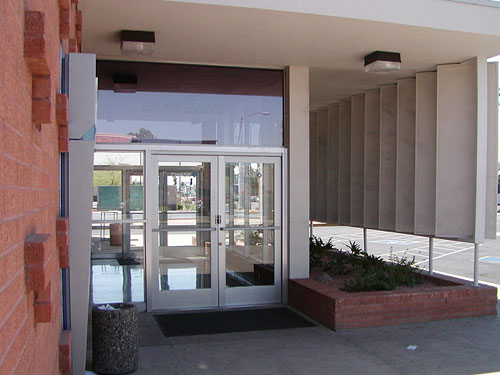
[445, 14]
[298, 165]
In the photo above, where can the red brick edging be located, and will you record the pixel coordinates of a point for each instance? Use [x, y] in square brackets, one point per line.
[341, 310]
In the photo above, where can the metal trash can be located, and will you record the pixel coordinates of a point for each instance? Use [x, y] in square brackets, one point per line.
[115, 338]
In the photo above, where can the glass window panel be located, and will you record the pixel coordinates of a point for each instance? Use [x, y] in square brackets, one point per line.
[176, 103]
[118, 186]
[249, 194]
[249, 257]
[184, 201]
[117, 257]
[184, 260]
[184, 194]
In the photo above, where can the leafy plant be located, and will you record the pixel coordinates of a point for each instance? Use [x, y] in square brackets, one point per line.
[379, 275]
[189, 206]
[370, 280]
[107, 178]
[256, 237]
[404, 271]
[337, 262]
[318, 250]
[372, 261]
[355, 249]
[361, 259]
[370, 272]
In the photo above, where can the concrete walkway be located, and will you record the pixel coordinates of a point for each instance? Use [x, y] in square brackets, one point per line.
[458, 347]
[464, 346]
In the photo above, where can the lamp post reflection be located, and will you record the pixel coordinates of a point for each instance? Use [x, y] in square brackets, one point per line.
[247, 128]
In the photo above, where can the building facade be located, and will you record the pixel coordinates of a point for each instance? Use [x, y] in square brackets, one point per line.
[185, 176]
[34, 124]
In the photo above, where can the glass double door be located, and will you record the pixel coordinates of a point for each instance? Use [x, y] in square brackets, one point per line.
[216, 236]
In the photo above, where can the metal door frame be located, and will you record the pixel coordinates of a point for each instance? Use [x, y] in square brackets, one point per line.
[250, 295]
[158, 149]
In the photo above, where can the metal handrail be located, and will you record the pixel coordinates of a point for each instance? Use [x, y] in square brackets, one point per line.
[184, 228]
[197, 229]
[249, 228]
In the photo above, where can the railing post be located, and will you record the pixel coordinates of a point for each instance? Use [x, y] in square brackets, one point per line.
[431, 255]
[476, 264]
[365, 240]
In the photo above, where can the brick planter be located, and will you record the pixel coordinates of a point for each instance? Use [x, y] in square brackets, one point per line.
[448, 299]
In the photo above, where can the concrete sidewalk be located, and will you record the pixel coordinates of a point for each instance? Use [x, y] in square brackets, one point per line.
[463, 346]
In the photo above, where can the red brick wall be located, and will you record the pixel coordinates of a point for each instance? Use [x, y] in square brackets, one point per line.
[30, 274]
[341, 310]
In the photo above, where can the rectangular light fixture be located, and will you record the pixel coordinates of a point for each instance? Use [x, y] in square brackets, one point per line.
[137, 43]
[382, 62]
[125, 83]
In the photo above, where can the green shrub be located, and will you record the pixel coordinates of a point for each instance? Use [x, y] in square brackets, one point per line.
[371, 272]
[355, 249]
[361, 259]
[256, 237]
[375, 274]
[371, 261]
[317, 251]
[337, 262]
[404, 271]
[369, 280]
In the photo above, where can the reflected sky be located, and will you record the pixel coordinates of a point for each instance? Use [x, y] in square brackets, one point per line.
[193, 118]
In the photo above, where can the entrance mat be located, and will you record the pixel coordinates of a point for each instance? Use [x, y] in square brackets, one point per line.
[206, 323]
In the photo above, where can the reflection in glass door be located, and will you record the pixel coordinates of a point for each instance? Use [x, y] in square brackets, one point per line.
[117, 247]
[250, 234]
[216, 239]
[184, 232]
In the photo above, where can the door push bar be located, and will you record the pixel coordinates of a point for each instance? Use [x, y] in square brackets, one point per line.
[249, 228]
[183, 229]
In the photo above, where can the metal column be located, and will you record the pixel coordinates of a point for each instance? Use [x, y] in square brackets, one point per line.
[476, 264]
[431, 255]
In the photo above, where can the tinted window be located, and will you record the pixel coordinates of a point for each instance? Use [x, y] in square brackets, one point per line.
[172, 103]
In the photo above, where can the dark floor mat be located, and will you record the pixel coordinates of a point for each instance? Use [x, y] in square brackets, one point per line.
[205, 323]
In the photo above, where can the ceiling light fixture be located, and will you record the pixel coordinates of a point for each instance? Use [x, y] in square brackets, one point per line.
[382, 62]
[125, 83]
[137, 43]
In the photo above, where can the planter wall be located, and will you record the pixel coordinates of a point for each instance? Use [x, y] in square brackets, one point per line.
[338, 310]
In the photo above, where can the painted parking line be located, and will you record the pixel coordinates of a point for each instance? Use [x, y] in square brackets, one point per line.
[457, 247]
[342, 236]
[446, 255]
[469, 279]
[395, 242]
[490, 259]
[418, 258]
[440, 252]
[426, 258]
[447, 251]
[442, 248]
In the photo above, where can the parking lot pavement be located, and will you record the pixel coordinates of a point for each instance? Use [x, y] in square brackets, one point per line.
[450, 257]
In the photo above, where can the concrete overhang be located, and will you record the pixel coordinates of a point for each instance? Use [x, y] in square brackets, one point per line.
[331, 37]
